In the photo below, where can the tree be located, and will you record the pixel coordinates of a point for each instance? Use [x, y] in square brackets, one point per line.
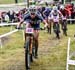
[56, 0]
[16, 1]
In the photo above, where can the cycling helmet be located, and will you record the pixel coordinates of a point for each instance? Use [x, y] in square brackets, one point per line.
[55, 8]
[61, 7]
[32, 9]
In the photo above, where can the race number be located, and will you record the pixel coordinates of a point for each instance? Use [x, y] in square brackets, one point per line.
[29, 30]
[64, 18]
[56, 19]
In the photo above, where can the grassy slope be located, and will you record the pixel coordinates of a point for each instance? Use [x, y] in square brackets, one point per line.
[4, 30]
[9, 1]
[52, 52]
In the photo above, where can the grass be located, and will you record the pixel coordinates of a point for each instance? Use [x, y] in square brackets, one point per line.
[9, 1]
[52, 52]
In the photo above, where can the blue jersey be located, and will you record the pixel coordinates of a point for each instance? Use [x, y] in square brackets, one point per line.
[35, 22]
[47, 12]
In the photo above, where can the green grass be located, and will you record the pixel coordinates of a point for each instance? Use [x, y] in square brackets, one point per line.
[52, 52]
[9, 1]
[4, 30]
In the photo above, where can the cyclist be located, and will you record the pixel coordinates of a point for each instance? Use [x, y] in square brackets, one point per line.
[41, 9]
[64, 22]
[55, 15]
[46, 13]
[33, 20]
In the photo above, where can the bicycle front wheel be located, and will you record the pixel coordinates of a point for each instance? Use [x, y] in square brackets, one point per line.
[27, 55]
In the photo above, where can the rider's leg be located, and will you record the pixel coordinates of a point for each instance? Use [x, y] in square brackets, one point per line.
[58, 31]
[48, 27]
[59, 27]
[36, 35]
[48, 24]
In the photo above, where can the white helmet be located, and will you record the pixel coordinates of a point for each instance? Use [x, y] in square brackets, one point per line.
[32, 9]
[55, 8]
[62, 7]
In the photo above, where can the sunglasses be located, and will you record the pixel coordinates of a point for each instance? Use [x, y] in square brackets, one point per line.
[32, 13]
[32, 9]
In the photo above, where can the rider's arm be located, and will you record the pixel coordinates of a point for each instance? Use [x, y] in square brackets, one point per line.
[24, 19]
[44, 13]
[18, 26]
[60, 14]
[43, 20]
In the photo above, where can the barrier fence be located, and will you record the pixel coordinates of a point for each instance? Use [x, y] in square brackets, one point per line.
[7, 24]
[11, 31]
[70, 19]
[69, 61]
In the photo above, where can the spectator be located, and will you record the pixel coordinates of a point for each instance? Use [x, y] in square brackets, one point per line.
[15, 17]
[6, 17]
[0, 18]
[3, 17]
[11, 16]
[72, 12]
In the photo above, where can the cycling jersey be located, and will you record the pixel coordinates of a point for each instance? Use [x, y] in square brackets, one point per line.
[41, 9]
[63, 12]
[55, 15]
[56, 18]
[35, 22]
[46, 12]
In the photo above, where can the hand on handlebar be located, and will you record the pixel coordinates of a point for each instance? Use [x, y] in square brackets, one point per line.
[17, 27]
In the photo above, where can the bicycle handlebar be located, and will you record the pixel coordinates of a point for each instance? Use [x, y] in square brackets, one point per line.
[22, 28]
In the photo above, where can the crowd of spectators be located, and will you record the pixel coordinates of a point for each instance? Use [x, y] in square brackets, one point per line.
[13, 16]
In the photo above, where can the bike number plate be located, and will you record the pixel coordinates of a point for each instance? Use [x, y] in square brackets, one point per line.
[29, 30]
[56, 19]
[64, 18]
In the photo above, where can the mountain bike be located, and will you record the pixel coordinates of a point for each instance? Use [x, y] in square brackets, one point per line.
[29, 46]
[56, 26]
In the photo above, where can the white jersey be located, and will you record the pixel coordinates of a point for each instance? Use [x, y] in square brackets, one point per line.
[55, 15]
